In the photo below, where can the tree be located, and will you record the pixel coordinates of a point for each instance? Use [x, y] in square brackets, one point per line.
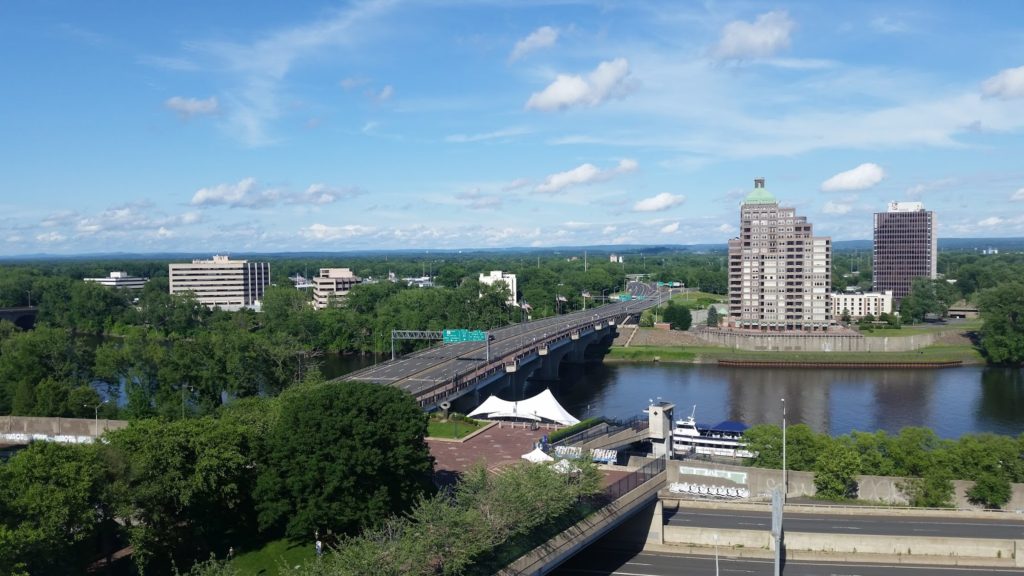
[933, 490]
[712, 316]
[341, 458]
[992, 490]
[765, 440]
[835, 471]
[678, 317]
[52, 506]
[183, 488]
[1002, 334]
[927, 297]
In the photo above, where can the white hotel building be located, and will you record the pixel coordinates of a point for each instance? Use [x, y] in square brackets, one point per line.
[221, 281]
[332, 283]
[859, 305]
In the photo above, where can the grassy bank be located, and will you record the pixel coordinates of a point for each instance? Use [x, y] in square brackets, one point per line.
[274, 555]
[711, 354]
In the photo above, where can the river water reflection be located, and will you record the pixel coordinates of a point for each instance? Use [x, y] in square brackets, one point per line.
[951, 401]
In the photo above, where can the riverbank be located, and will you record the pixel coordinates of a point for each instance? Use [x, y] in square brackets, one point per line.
[652, 345]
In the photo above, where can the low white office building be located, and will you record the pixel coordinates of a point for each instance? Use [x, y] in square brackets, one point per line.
[120, 280]
[508, 279]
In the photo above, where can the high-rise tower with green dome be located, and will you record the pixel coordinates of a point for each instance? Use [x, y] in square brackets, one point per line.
[779, 272]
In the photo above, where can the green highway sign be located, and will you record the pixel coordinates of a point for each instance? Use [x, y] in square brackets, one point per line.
[451, 336]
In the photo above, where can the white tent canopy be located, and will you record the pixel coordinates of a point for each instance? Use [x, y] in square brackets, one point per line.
[541, 407]
[537, 456]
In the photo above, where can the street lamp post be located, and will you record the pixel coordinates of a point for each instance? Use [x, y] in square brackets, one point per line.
[96, 416]
[716, 554]
[785, 486]
[183, 388]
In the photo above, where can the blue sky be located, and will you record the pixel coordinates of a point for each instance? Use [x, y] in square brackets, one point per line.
[267, 126]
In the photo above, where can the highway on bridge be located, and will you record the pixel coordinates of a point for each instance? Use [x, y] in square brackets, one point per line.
[826, 523]
[423, 371]
[598, 561]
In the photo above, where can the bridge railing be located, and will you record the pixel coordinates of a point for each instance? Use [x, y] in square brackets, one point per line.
[635, 479]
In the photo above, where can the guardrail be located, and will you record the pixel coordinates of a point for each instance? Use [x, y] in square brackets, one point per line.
[635, 479]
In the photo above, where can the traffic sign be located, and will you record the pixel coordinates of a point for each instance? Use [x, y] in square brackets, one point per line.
[453, 335]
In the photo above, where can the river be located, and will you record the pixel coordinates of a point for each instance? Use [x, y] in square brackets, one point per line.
[951, 401]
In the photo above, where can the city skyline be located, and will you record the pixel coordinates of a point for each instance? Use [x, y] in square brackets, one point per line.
[384, 125]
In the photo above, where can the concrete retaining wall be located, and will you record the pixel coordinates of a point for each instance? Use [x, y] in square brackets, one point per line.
[907, 548]
[57, 426]
[812, 342]
[761, 482]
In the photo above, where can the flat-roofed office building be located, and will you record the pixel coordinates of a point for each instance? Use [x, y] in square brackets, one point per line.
[221, 281]
[120, 280]
[779, 272]
[332, 283]
[905, 248]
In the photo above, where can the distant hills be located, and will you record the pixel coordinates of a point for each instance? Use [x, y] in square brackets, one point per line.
[945, 244]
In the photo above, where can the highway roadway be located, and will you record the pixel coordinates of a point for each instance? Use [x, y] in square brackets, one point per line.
[825, 523]
[597, 561]
[424, 370]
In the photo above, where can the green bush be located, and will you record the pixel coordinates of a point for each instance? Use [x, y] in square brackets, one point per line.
[574, 429]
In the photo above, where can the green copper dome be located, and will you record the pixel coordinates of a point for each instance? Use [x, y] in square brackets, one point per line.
[759, 195]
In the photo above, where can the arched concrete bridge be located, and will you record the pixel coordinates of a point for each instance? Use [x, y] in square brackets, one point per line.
[23, 317]
[443, 373]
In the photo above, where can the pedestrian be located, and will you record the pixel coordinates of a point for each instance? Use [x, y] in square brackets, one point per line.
[319, 548]
[231, 552]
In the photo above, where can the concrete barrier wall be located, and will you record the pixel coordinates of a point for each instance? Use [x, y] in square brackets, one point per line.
[761, 482]
[726, 538]
[812, 342]
[906, 547]
[57, 426]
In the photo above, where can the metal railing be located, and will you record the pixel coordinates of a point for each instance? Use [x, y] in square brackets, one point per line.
[635, 479]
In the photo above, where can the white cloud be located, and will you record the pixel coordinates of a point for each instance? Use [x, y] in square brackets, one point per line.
[836, 208]
[260, 66]
[192, 217]
[760, 39]
[608, 230]
[991, 222]
[1007, 84]
[247, 194]
[475, 200]
[50, 237]
[516, 184]
[1018, 196]
[320, 194]
[224, 194]
[726, 228]
[497, 134]
[864, 176]
[608, 80]
[670, 228]
[325, 232]
[574, 225]
[542, 37]
[353, 83]
[662, 201]
[385, 93]
[584, 174]
[189, 107]
[886, 25]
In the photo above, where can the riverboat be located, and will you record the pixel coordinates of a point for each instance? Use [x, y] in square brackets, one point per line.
[722, 439]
